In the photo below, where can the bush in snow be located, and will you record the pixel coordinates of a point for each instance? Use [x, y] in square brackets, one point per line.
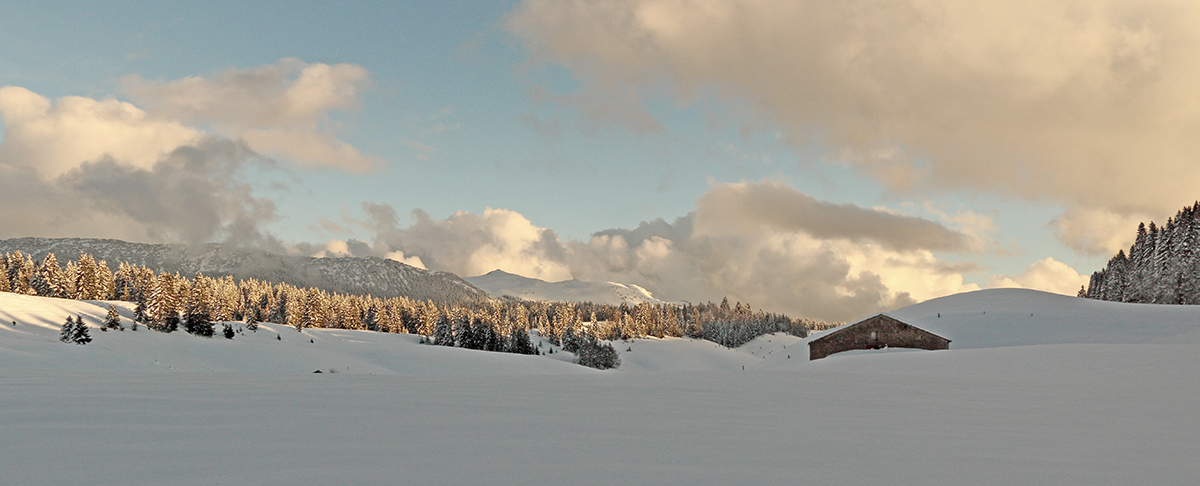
[595, 355]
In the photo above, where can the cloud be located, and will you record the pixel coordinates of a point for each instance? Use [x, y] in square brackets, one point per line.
[1096, 231]
[190, 195]
[1049, 275]
[279, 109]
[1089, 104]
[471, 244]
[106, 168]
[52, 138]
[733, 207]
[783, 261]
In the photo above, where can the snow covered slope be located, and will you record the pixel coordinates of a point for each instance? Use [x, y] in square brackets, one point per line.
[144, 408]
[500, 283]
[356, 276]
[1014, 317]
[32, 344]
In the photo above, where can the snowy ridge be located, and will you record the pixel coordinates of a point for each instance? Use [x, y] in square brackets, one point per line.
[347, 275]
[499, 283]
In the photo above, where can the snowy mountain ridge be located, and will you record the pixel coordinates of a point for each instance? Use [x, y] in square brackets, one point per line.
[499, 283]
[374, 276]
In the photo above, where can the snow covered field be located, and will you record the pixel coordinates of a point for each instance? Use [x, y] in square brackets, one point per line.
[1096, 393]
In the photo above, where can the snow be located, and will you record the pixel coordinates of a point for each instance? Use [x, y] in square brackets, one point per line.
[1017, 317]
[1063, 400]
[499, 283]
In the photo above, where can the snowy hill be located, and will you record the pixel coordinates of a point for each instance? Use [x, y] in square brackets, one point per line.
[355, 276]
[1018, 399]
[499, 283]
[1016, 317]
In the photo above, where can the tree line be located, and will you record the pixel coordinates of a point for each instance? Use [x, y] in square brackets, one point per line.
[166, 302]
[1162, 266]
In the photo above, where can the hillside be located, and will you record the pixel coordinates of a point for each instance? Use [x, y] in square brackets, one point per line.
[500, 283]
[1084, 392]
[347, 275]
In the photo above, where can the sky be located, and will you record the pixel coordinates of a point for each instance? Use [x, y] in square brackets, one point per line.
[827, 160]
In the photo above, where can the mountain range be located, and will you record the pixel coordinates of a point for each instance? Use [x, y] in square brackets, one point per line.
[379, 277]
[500, 283]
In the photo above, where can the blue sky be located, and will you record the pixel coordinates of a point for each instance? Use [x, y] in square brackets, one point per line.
[536, 137]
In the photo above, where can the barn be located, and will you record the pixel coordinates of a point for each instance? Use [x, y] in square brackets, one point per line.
[881, 331]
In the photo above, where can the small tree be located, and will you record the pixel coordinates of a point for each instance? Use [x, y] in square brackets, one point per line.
[67, 331]
[228, 331]
[81, 335]
[595, 355]
[74, 331]
[113, 319]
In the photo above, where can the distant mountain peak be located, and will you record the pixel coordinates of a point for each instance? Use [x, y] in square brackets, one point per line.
[500, 283]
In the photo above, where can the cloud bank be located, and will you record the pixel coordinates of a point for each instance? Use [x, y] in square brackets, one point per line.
[759, 242]
[1088, 104]
[172, 167]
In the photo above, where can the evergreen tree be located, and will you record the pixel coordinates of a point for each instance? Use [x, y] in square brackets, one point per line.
[519, 342]
[49, 279]
[79, 334]
[443, 332]
[228, 331]
[170, 323]
[595, 355]
[571, 342]
[139, 312]
[67, 332]
[113, 319]
[196, 321]
[5, 285]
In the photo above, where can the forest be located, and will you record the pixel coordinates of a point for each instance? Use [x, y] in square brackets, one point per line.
[168, 302]
[1161, 267]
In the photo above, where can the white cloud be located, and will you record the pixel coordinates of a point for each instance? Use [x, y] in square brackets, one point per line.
[53, 138]
[1096, 231]
[1088, 104]
[279, 109]
[1049, 275]
[411, 261]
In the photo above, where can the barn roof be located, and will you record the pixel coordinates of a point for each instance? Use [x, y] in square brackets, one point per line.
[850, 327]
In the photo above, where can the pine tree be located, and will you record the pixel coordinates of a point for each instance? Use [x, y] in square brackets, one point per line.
[228, 331]
[49, 279]
[76, 333]
[23, 275]
[443, 332]
[519, 342]
[595, 355]
[67, 332]
[5, 285]
[196, 321]
[113, 319]
[139, 312]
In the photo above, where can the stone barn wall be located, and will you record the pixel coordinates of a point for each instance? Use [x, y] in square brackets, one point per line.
[875, 333]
